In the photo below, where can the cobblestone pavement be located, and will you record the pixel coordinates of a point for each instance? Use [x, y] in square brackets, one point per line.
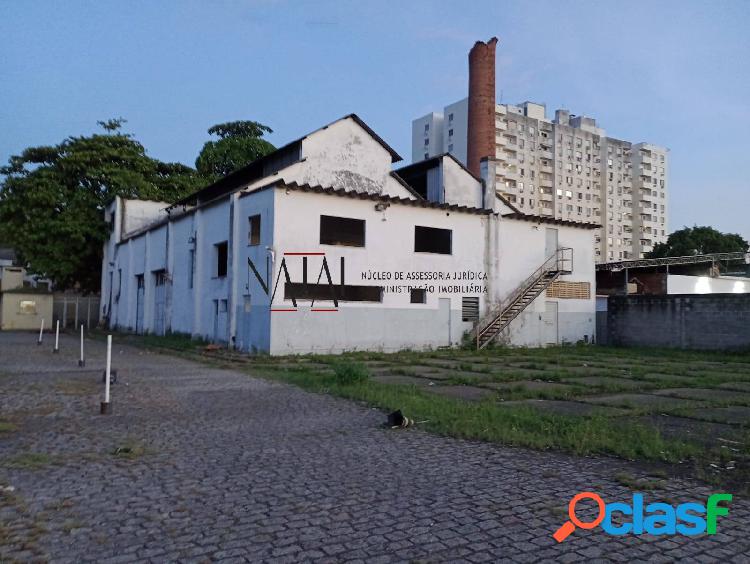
[218, 466]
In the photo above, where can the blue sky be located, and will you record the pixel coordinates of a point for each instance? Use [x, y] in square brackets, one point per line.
[672, 73]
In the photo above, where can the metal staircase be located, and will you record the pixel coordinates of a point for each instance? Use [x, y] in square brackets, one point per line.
[498, 318]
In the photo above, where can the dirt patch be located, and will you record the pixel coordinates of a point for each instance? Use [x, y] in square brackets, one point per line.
[649, 401]
[706, 394]
[733, 415]
[399, 379]
[531, 385]
[569, 407]
[608, 382]
[467, 393]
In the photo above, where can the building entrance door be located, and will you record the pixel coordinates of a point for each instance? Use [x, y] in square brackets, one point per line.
[550, 242]
[445, 318]
[160, 301]
[139, 295]
[550, 336]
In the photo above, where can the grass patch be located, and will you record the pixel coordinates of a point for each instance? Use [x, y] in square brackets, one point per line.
[171, 341]
[130, 449]
[30, 460]
[347, 372]
[512, 425]
[7, 427]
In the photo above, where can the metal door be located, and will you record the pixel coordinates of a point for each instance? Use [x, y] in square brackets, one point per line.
[445, 318]
[140, 292]
[549, 328]
[550, 242]
[160, 299]
[221, 320]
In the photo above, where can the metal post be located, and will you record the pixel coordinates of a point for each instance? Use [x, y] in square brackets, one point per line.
[626, 281]
[41, 332]
[82, 361]
[57, 338]
[106, 407]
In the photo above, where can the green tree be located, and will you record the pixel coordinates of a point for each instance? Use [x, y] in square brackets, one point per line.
[52, 200]
[239, 143]
[698, 241]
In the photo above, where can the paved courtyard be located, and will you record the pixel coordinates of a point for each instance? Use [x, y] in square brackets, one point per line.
[202, 464]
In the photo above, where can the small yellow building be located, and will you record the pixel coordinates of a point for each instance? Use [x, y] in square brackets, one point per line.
[22, 308]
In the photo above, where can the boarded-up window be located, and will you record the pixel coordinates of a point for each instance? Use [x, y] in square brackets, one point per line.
[253, 230]
[569, 290]
[342, 231]
[222, 259]
[470, 308]
[346, 293]
[418, 296]
[432, 240]
[27, 307]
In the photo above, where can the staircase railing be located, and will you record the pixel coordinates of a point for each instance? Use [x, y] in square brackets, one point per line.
[560, 261]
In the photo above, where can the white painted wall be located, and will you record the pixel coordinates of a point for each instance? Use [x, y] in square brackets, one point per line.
[521, 251]
[136, 214]
[395, 323]
[459, 186]
[678, 284]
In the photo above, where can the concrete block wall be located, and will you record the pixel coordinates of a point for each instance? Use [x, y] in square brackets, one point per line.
[688, 321]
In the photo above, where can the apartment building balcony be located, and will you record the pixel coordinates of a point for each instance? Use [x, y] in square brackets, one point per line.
[510, 139]
[510, 171]
[548, 169]
[546, 154]
[501, 125]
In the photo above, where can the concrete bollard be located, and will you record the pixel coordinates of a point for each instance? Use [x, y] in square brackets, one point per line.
[57, 338]
[82, 360]
[106, 406]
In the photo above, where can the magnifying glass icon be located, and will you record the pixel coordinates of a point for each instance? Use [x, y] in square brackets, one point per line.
[569, 526]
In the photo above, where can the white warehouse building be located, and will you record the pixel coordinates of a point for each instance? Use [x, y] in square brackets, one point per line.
[322, 247]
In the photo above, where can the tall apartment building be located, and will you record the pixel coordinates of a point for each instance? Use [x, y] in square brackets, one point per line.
[564, 168]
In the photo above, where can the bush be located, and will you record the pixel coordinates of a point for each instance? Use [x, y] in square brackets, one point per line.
[347, 373]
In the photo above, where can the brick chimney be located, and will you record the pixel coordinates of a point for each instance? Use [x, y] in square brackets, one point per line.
[481, 126]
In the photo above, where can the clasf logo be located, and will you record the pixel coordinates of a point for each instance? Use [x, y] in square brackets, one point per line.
[654, 518]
